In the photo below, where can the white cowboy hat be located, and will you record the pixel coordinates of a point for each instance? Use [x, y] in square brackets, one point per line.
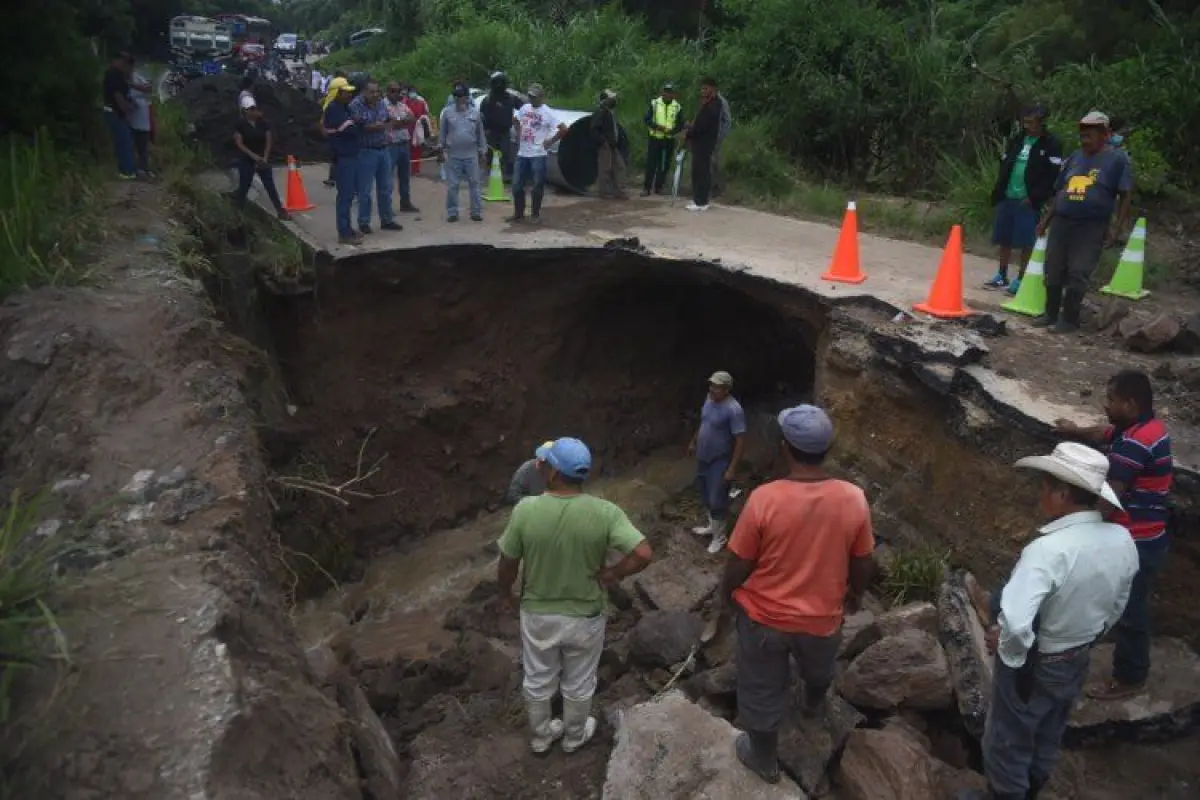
[1078, 465]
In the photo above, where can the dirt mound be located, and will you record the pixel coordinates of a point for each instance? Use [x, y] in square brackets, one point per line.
[212, 108]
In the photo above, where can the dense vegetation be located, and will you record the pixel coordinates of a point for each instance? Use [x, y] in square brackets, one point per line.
[903, 96]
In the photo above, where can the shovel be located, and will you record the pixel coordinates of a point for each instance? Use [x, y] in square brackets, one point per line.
[678, 175]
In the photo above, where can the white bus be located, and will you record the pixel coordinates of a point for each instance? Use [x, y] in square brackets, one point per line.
[201, 37]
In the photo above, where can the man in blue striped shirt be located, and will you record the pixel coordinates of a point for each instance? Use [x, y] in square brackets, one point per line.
[374, 160]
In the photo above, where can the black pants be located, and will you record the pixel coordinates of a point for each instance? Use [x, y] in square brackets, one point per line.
[658, 163]
[764, 672]
[247, 169]
[702, 161]
[141, 149]
[1073, 249]
[503, 145]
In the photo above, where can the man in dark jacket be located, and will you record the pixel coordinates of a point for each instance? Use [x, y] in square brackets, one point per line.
[497, 109]
[607, 135]
[1026, 182]
[702, 137]
[664, 121]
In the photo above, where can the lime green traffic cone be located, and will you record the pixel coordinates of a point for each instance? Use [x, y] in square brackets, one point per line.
[495, 188]
[1127, 280]
[1031, 295]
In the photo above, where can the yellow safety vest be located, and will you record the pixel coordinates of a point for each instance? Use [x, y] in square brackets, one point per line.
[664, 117]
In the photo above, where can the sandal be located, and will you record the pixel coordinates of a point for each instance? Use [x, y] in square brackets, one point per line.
[1115, 690]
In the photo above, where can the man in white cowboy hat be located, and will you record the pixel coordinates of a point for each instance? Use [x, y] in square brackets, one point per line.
[530, 477]
[1068, 588]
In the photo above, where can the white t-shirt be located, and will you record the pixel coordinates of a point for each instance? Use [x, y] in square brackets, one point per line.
[537, 125]
[316, 82]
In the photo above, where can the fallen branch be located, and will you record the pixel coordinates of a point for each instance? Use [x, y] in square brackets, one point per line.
[340, 492]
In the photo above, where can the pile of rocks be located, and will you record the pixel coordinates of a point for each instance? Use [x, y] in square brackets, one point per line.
[904, 675]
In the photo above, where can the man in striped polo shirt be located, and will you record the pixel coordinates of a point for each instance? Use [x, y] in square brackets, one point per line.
[1141, 472]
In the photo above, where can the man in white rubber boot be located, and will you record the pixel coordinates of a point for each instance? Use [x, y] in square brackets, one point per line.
[563, 537]
[718, 446]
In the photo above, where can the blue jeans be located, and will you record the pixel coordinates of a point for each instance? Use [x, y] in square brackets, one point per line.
[529, 170]
[714, 491]
[1022, 740]
[401, 157]
[345, 173]
[122, 143]
[374, 171]
[458, 169]
[1131, 634]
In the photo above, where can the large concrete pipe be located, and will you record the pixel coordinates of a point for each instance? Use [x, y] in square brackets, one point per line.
[572, 165]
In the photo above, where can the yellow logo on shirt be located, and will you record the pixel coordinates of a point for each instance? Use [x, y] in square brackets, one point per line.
[1078, 185]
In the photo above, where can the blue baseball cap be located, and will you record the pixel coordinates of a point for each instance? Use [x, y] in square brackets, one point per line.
[571, 457]
[807, 428]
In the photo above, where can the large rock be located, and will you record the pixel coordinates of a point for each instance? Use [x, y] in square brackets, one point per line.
[720, 680]
[664, 638]
[1169, 706]
[859, 632]
[962, 638]
[672, 748]
[888, 764]
[807, 747]
[906, 670]
[1152, 336]
[376, 755]
[911, 616]
[675, 584]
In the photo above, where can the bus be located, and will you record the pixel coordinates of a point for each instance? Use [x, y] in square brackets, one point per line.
[200, 37]
[256, 30]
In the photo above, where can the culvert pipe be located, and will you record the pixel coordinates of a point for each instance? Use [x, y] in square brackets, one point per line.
[572, 163]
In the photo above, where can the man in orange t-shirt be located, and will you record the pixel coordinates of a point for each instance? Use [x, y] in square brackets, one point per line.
[801, 552]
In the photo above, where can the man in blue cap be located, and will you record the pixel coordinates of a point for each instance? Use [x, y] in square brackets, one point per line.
[563, 537]
[800, 554]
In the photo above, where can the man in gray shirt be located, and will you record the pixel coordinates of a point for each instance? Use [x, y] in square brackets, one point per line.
[718, 446]
[530, 478]
[1095, 180]
[464, 148]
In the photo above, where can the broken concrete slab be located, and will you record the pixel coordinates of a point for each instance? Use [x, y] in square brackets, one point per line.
[664, 638]
[808, 747]
[939, 377]
[670, 747]
[914, 343]
[907, 670]
[962, 637]
[1168, 707]
[676, 584]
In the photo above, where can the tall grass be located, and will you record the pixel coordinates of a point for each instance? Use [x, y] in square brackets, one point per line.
[26, 623]
[50, 204]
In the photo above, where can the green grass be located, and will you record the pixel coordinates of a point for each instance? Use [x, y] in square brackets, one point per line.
[28, 630]
[51, 202]
[915, 576]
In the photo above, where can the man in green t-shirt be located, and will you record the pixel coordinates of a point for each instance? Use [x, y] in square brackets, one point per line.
[563, 537]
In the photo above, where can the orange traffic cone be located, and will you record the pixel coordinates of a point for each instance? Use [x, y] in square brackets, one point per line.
[297, 198]
[845, 267]
[946, 295]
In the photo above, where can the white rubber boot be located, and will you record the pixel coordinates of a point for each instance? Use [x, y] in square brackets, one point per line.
[579, 723]
[546, 729]
[719, 537]
[705, 530]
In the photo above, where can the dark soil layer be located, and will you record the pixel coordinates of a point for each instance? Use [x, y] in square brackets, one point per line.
[211, 104]
[463, 361]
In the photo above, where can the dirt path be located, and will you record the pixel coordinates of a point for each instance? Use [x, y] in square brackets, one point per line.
[184, 679]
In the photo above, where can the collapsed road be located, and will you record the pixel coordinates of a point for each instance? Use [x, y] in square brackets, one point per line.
[286, 644]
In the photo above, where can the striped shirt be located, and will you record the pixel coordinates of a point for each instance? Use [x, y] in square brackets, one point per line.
[1140, 458]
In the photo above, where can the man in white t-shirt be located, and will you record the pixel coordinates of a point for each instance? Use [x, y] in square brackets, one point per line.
[538, 129]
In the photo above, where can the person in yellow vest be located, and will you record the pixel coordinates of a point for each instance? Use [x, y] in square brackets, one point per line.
[664, 121]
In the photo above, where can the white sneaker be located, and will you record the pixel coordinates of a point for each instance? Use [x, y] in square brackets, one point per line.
[542, 744]
[589, 730]
[694, 207]
[705, 530]
[719, 539]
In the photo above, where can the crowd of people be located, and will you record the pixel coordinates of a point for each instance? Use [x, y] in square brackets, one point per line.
[1087, 195]
[799, 558]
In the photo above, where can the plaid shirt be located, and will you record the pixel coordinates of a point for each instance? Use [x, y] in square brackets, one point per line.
[369, 115]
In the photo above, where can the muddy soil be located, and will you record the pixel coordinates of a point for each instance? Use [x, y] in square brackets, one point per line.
[181, 676]
[458, 366]
[211, 104]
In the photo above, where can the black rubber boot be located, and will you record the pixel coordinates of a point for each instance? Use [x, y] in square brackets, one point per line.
[1072, 309]
[1049, 318]
[757, 752]
[1035, 787]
